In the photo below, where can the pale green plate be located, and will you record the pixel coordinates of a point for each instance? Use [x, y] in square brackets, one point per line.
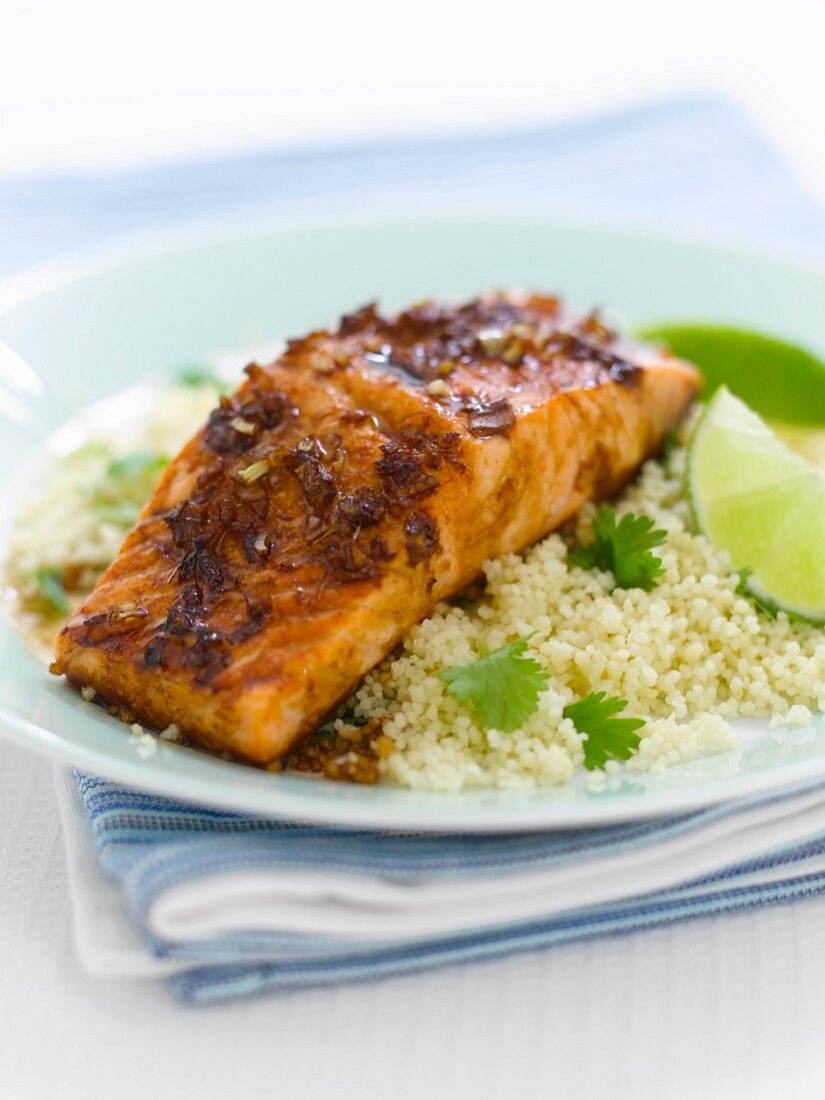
[104, 322]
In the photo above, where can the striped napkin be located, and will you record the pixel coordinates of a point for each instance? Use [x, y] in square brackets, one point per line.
[226, 905]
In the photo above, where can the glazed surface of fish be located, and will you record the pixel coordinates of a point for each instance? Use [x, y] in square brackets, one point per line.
[342, 491]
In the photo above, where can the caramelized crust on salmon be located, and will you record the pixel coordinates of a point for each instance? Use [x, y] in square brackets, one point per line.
[343, 491]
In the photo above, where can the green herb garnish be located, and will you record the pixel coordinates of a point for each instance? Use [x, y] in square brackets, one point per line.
[126, 486]
[51, 596]
[197, 376]
[135, 465]
[122, 513]
[669, 445]
[503, 687]
[350, 718]
[607, 737]
[623, 548]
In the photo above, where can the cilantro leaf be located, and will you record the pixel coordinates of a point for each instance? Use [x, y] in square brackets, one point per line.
[503, 687]
[123, 513]
[135, 465]
[51, 596]
[623, 548]
[127, 484]
[608, 737]
[196, 376]
[669, 445]
[353, 719]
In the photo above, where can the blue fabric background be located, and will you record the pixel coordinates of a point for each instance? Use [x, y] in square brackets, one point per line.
[697, 165]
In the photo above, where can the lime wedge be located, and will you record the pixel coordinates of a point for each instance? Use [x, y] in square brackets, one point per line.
[781, 381]
[764, 504]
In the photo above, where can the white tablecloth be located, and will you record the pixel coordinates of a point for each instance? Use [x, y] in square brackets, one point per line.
[722, 1008]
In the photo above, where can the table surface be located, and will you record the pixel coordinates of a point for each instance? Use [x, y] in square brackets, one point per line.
[724, 1008]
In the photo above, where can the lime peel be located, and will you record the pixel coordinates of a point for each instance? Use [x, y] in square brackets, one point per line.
[779, 379]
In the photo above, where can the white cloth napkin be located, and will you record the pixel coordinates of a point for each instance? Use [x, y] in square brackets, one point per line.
[386, 910]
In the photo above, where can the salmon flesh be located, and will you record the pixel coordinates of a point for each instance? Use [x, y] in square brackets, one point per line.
[343, 491]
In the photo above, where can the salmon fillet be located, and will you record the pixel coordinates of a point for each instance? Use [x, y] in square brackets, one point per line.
[343, 491]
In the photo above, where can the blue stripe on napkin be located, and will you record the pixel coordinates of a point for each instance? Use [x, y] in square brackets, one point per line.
[217, 982]
[149, 844]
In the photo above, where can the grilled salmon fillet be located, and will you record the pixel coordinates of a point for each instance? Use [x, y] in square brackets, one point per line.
[343, 491]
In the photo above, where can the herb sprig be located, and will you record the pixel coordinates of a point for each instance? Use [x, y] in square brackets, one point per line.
[125, 487]
[503, 687]
[607, 737]
[51, 598]
[623, 548]
[138, 464]
[196, 376]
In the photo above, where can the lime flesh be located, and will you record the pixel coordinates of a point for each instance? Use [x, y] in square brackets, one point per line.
[763, 503]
